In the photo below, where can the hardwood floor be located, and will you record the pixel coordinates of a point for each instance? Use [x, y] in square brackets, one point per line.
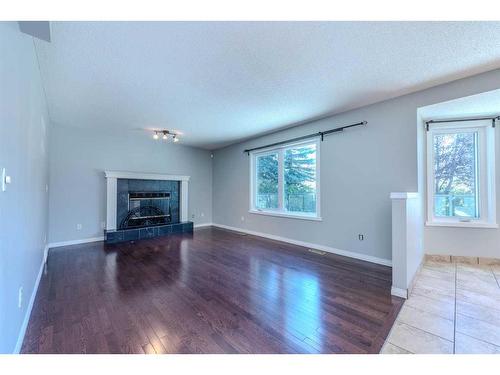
[213, 291]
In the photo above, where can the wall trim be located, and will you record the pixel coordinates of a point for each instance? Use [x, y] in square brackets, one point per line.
[203, 225]
[404, 195]
[415, 276]
[145, 176]
[27, 314]
[75, 242]
[398, 292]
[350, 254]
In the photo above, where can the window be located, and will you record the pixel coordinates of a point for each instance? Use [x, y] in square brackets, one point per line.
[285, 181]
[461, 174]
[267, 182]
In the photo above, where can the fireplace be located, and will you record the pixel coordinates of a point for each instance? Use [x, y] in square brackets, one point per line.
[145, 205]
[146, 209]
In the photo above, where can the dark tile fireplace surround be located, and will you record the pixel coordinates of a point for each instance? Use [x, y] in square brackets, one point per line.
[147, 209]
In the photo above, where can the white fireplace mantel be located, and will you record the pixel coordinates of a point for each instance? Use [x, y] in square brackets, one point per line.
[111, 192]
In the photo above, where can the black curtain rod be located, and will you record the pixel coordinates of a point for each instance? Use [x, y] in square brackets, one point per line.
[493, 120]
[318, 134]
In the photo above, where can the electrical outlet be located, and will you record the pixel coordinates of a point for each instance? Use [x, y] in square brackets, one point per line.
[361, 237]
[202, 214]
[20, 298]
[78, 226]
[192, 216]
[103, 225]
[243, 218]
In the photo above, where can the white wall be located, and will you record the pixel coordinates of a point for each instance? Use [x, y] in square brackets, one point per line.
[79, 157]
[23, 152]
[359, 169]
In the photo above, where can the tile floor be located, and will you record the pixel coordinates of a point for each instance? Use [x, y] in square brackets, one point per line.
[453, 308]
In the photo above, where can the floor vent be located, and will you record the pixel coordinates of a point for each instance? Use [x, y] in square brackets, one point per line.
[318, 252]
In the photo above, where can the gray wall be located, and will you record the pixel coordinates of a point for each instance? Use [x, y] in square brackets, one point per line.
[23, 152]
[78, 158]
[359, 168]
[466, 241]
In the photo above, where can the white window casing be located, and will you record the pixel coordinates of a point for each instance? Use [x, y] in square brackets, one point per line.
[485, 174]
[281, 210]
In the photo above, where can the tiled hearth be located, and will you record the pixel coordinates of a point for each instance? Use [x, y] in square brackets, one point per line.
[149, 232]
[453, 308]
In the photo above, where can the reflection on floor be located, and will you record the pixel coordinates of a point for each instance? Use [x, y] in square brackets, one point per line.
[453, 308]
[213, 291]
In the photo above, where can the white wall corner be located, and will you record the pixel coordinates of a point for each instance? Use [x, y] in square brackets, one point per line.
[407, 232]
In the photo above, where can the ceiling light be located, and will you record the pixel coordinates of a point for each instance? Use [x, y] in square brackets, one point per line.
[165, 135]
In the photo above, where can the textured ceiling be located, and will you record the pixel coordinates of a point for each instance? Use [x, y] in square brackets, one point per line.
[220, 82]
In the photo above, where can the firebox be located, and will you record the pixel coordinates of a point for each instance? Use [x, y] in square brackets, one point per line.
[147, 208]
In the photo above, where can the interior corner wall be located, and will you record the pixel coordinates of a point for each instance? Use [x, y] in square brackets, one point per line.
[359, 169]
[24, 125]
[79, 157]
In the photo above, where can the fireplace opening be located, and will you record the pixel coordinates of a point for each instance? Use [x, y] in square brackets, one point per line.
[147, 208]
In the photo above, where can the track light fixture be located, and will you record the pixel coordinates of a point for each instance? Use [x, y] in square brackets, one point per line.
[165, 135]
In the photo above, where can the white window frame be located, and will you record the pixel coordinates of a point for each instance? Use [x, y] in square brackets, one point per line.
[486, 174]
[280, 211]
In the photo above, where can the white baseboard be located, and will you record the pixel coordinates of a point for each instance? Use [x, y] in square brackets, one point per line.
[75, 242]
[350, 254]
[202, 225]
[46, 253]
[398, 292]
[27, 314]
[415, 276]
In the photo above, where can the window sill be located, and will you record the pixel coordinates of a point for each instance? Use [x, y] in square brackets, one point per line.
[286, 215]
[459, 224]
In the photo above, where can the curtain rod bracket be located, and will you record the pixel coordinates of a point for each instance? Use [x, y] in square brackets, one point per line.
[494, 122]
